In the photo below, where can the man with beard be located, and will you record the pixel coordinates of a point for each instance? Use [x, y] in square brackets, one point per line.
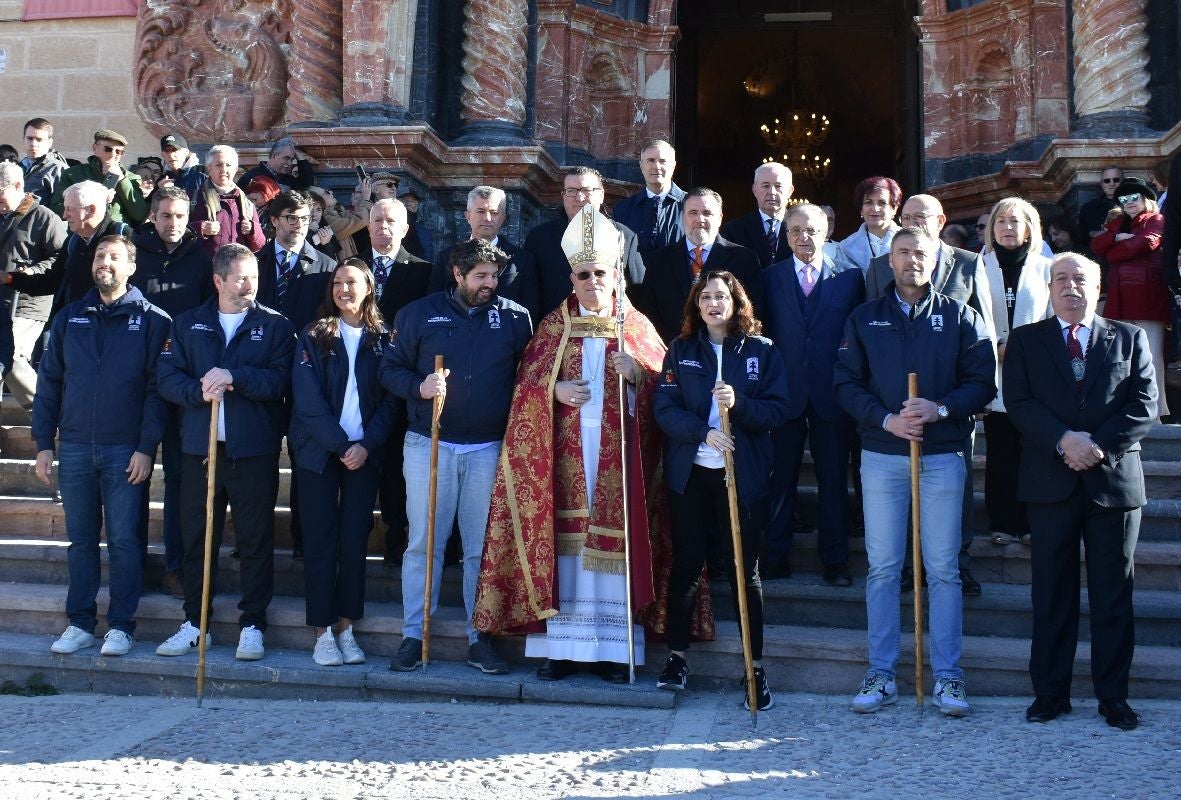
[481, 336]
[96, 394]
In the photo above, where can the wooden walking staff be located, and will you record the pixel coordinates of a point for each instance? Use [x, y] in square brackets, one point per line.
[916, 543]
[207, 576]
[620, 319]
[436, 413]
[748, 663]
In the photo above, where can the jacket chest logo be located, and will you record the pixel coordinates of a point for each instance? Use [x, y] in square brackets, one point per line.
[752, 368]
[256, 333]
[134, 322]
[937, 323]
[493, 319]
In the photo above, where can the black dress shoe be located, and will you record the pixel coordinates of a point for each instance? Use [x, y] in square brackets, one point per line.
[837, 575]
[611, 671]
[555, 669]
[970, 585]
[1046, 708]
[1119, 714]
[775, 570]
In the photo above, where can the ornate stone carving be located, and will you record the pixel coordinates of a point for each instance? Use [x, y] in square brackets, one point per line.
[213, 71]
[1110, 56]
[495, 48]
[316, 62]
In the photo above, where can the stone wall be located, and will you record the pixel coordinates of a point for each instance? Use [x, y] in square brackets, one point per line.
[76, 74]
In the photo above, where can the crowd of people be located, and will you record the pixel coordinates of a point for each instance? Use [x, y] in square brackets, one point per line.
[580, 455]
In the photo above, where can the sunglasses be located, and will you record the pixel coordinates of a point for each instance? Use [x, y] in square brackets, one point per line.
[586, 274]
[116, 150]
[1124, 199]
[1111, 180]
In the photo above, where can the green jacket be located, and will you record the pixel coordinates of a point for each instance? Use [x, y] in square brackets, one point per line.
[130, 206]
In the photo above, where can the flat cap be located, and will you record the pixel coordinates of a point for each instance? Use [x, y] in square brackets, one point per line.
[110, 136]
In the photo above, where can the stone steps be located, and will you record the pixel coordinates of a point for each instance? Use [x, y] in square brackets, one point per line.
[797, 658]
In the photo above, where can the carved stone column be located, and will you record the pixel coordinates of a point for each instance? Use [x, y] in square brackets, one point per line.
[378, 60]
[495, 62]
[1110, 68]
[316, 68]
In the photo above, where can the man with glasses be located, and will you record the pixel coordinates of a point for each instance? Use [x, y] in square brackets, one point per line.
[958, 274]
[1093, 215]
[125, 196]
[582, 186]
[283, 166]
[808, 299]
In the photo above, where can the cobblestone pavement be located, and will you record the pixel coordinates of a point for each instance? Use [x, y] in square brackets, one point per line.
[94, 746]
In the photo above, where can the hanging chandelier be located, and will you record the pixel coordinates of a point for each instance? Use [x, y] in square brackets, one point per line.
[793, 139]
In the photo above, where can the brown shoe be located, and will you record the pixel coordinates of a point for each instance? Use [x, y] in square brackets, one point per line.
[172, 583]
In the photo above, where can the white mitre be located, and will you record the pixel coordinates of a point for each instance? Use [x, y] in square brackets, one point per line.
[590, 238]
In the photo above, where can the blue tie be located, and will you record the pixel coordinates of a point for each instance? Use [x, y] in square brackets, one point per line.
[772, 238]
[381, 271]
[284, 276]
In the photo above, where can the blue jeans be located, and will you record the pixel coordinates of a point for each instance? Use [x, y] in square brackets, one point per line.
[886, 503]
[464, 491]
[94, 487]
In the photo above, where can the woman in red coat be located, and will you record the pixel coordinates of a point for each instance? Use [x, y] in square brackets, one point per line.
[1136, 290]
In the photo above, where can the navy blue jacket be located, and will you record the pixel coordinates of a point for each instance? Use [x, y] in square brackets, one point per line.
[258, 358]
[176, 281]
[946, 343]
[319, 379]
[635, 211]
[481, 348]
[808, 330]
[753, 366]
[97, 381]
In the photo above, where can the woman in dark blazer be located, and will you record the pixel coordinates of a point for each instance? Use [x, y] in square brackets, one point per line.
[719, 323]
[340, 421]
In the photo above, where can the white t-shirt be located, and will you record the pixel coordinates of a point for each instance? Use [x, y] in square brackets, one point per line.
[229, 325]
[707, 455]
[350, 410]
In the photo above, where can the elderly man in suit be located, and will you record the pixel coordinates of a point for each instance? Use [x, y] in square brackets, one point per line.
[654, 212]
[763, 229]
[1082, 392]
[959, 275]
[808, 300]
[671, 271]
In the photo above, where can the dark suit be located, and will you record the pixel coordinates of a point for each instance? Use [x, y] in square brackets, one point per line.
[306, 288]
[653, 231]
[408, 280]
[518, 278]
[669, 277]
[955, 276]
[808, 332]
[750, 231]
[553, 269]
[1116, 405]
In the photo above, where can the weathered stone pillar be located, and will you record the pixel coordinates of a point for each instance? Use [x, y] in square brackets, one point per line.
[315, 85]
[495, 63]
[378, 60]
[1110, 68]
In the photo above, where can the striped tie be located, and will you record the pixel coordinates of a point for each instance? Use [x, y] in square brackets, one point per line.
[284, 276]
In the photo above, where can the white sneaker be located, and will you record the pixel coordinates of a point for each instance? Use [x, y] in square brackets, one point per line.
[951, 697]
[250, 645]
[326, 654]
[876, 691]
[183, 641]
[116, 643]
[352, 652]
[71, 641]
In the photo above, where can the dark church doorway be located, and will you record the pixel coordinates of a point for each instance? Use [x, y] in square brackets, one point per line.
[742, 64]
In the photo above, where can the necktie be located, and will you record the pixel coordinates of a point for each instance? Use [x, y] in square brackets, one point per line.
[284, 276]
[654, 228]
[772, 238]
[381, 271]
[808, 280]
[1078, 360]
[697, 264]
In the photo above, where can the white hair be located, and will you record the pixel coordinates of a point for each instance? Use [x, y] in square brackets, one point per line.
[218, 149]
[87, 193]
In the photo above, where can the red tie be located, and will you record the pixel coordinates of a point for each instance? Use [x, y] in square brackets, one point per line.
[1074, 349]
[697, 263]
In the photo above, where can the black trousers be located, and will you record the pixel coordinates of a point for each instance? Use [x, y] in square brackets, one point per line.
[700, 514]
[338, 515]
[1005, 512]
[251, 485]
[392, 494]
[1109, 535]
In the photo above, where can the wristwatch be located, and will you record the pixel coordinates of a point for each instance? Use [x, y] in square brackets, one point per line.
[941, 410]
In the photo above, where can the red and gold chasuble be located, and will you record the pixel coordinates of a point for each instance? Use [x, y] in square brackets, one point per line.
[539, 508]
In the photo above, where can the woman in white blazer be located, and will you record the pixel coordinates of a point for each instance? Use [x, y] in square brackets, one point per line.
[1019, 281]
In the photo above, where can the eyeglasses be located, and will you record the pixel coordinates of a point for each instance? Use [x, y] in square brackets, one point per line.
[388, 184]
[579, 192]
[1124, 199]
[586, 274]
[1111, 180]
[796, 233]
[116, 150]
[914, 219]
[295, 219]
